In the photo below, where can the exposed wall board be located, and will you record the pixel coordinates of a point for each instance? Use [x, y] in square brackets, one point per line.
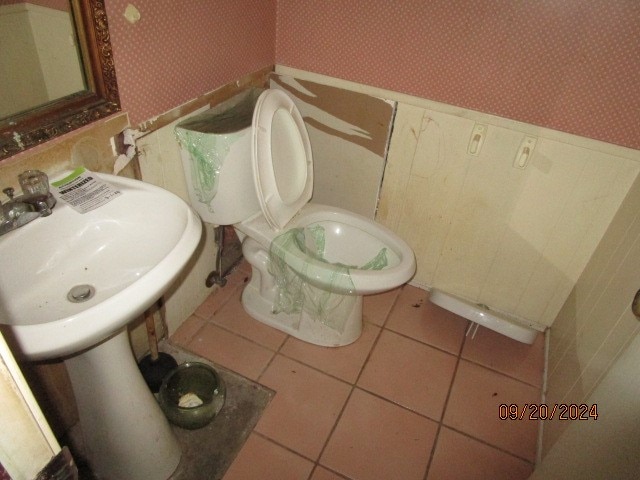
[515, 239]
[349, 133]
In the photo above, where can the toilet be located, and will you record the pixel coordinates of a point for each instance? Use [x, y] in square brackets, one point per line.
[249, 164]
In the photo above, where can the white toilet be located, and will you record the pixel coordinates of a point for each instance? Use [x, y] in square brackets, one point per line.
[311, 264]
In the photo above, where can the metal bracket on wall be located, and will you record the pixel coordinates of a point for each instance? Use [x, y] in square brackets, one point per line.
[525, 152]
[478, 136]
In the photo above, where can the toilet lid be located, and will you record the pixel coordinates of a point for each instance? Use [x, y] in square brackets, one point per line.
[281, 157]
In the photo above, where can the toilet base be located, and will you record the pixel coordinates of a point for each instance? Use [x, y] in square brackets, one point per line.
[306, 328]
[260, 293]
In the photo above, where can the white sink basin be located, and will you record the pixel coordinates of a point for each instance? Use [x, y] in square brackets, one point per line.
[129, 250]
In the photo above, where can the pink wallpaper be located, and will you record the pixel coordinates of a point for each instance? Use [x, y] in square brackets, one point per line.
[571, 65]
[180, 50]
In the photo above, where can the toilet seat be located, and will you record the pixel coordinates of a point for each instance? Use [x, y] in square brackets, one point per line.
[281, 158]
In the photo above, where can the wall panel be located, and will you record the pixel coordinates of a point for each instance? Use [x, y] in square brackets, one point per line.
[515, 239]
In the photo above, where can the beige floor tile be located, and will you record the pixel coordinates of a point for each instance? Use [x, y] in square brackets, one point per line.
[376, 439]
[501, 353]
[218, 297]
[233, 317]
[410, 374]
[413, 315]
[261, 459]
[190, 327]
[305, 408]
[376, 308]
[342, 362]
[321, 473]
[231, 351]
[473, 408]
[458, 457]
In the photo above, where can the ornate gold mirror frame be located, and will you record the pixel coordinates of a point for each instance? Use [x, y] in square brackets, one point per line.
[33, 127]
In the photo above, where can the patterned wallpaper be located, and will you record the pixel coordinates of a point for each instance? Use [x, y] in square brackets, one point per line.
[180, 50]
[570, 65]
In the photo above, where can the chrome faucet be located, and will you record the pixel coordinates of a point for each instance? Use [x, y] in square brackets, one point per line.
[41, 203]
[36, 201]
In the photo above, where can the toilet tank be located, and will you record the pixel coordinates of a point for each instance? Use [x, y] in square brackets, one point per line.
[215, 147]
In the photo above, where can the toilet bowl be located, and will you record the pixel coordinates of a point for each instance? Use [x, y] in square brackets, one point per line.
[311, 264]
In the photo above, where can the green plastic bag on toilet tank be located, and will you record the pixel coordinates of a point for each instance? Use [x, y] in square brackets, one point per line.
[208, 138]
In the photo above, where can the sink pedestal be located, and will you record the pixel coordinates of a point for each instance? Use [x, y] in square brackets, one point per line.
[126, 435]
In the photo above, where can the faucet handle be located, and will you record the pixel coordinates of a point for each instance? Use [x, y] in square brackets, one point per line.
[8, 192]
[34, 182]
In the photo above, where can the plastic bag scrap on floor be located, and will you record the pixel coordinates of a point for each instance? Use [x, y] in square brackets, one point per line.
[208, 138]
[298, 279]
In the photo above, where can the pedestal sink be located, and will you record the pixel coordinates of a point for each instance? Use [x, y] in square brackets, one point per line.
[71, 283]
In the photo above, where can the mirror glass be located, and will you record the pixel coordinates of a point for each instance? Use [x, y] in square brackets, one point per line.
[56, 70]
[40, 57]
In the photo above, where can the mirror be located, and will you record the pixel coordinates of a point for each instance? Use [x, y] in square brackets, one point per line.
[40, 59]
[68, 86]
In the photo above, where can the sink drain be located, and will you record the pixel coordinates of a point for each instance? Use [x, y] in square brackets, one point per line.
[81, 293]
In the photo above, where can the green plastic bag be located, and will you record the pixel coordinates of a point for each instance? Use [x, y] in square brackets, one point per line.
[298, 264]
[208, 138]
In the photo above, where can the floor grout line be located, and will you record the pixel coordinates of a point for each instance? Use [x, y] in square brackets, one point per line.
[444, 408]
[353, 387]
[501, 449]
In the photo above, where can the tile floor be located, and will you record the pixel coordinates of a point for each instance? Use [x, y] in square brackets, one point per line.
[413, 398]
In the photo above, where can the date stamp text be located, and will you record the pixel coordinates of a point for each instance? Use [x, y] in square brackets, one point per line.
[542, 411]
